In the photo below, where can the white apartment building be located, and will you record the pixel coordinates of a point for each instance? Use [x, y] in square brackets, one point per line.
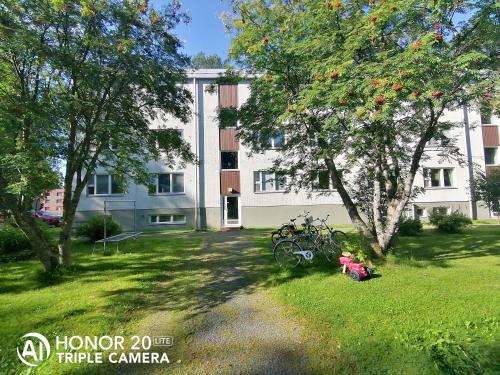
[228, 188]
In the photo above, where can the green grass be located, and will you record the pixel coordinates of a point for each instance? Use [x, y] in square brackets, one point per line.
[487, 221]
[432, 307]
[101, 295]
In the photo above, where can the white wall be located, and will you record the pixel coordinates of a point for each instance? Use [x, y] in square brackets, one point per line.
[207, 134]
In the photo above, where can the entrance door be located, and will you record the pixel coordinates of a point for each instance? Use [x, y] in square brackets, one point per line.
[232, 211]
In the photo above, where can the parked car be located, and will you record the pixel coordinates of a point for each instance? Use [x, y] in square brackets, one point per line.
[49, 218]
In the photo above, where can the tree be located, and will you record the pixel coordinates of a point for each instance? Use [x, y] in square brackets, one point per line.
[487, 189]
[110, 69]
[26, 168]
[202, 61]
[358, 88]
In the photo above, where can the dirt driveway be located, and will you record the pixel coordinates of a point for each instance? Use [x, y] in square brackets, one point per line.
[232, 322]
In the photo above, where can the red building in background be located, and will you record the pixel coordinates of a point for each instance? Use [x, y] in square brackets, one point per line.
[52, 201]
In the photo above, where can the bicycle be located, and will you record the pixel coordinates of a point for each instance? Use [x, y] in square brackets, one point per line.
[289, 230]
[289, 252]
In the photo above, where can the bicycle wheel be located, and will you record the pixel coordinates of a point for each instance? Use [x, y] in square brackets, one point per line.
[284, 254]
[335, 245]
[285, 231]
[275, 237]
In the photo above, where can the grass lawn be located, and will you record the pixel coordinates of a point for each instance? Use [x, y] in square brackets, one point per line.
[103, 295]
[434, 305]
[487, 221]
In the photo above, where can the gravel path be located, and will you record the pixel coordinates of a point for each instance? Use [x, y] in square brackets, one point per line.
[236, 326]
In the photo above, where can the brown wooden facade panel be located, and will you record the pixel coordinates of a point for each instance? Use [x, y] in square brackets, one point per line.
[228, 140]
[490, 136]
[228, 96]
[229, 182]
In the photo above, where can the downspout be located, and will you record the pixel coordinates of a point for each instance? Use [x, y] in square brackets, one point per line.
[197, 165]
[470, 165]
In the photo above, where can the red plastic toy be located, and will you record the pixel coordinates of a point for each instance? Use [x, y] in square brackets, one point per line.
[357, 271]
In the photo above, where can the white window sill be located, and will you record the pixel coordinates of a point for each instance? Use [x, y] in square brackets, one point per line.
[492, 165]
[270, 192]
[230, 170]
[165, 194]
[440, 187]
[176, 223]
[104, 195]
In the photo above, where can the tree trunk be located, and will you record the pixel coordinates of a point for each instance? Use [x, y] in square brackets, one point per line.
[352, 210]
[39, 242]
[64, 245]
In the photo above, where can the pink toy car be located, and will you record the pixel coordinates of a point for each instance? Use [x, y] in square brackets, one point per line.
[357, 271]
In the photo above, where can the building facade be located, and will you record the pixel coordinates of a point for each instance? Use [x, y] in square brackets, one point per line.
[52, 201]
[229, 188]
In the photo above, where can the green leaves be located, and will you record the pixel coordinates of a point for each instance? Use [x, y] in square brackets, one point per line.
[361, 86]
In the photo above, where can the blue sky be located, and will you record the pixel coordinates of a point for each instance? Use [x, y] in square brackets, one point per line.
[205, 32]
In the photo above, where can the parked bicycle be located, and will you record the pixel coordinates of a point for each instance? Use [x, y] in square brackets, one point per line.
[289, 252]
[290, 230]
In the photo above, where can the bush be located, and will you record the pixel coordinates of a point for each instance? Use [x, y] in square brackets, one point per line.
[358, 248]
[93, 229]
[12, 240]
[410, 227]
[449, 223]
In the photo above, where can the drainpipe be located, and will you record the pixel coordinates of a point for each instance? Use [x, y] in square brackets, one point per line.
[197, 166]
[470, 165]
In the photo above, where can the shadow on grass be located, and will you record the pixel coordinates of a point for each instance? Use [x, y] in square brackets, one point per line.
[201, 276]
[186, 273]
[435, 249]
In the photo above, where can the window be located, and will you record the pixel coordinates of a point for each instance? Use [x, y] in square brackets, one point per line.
[277, 141]
[438, 141]
[229, 160]
[438, 177]
[58, 208]
[265, 181]
[58, 200]
[321, 180]
[490, 155]
[103, 184]
[440, 210]
[420, 212]
[47, 200]
[166, 183]
[59, 194]
[167, 219]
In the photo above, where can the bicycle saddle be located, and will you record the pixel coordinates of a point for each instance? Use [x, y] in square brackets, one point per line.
[292, 220]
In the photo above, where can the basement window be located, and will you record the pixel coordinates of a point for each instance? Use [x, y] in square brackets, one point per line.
[167, 219]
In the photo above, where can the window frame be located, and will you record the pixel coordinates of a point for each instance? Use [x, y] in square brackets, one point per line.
[315, 183]
[495, 155]
[170, 222]
[237, 161]
[92, 183]
[271, 142]
[442, 185]
[171, 184]
[261, 182]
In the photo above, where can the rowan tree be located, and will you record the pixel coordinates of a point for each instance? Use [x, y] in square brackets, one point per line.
[358, 88]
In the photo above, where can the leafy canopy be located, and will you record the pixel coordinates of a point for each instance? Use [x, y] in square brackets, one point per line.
[359, 87]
